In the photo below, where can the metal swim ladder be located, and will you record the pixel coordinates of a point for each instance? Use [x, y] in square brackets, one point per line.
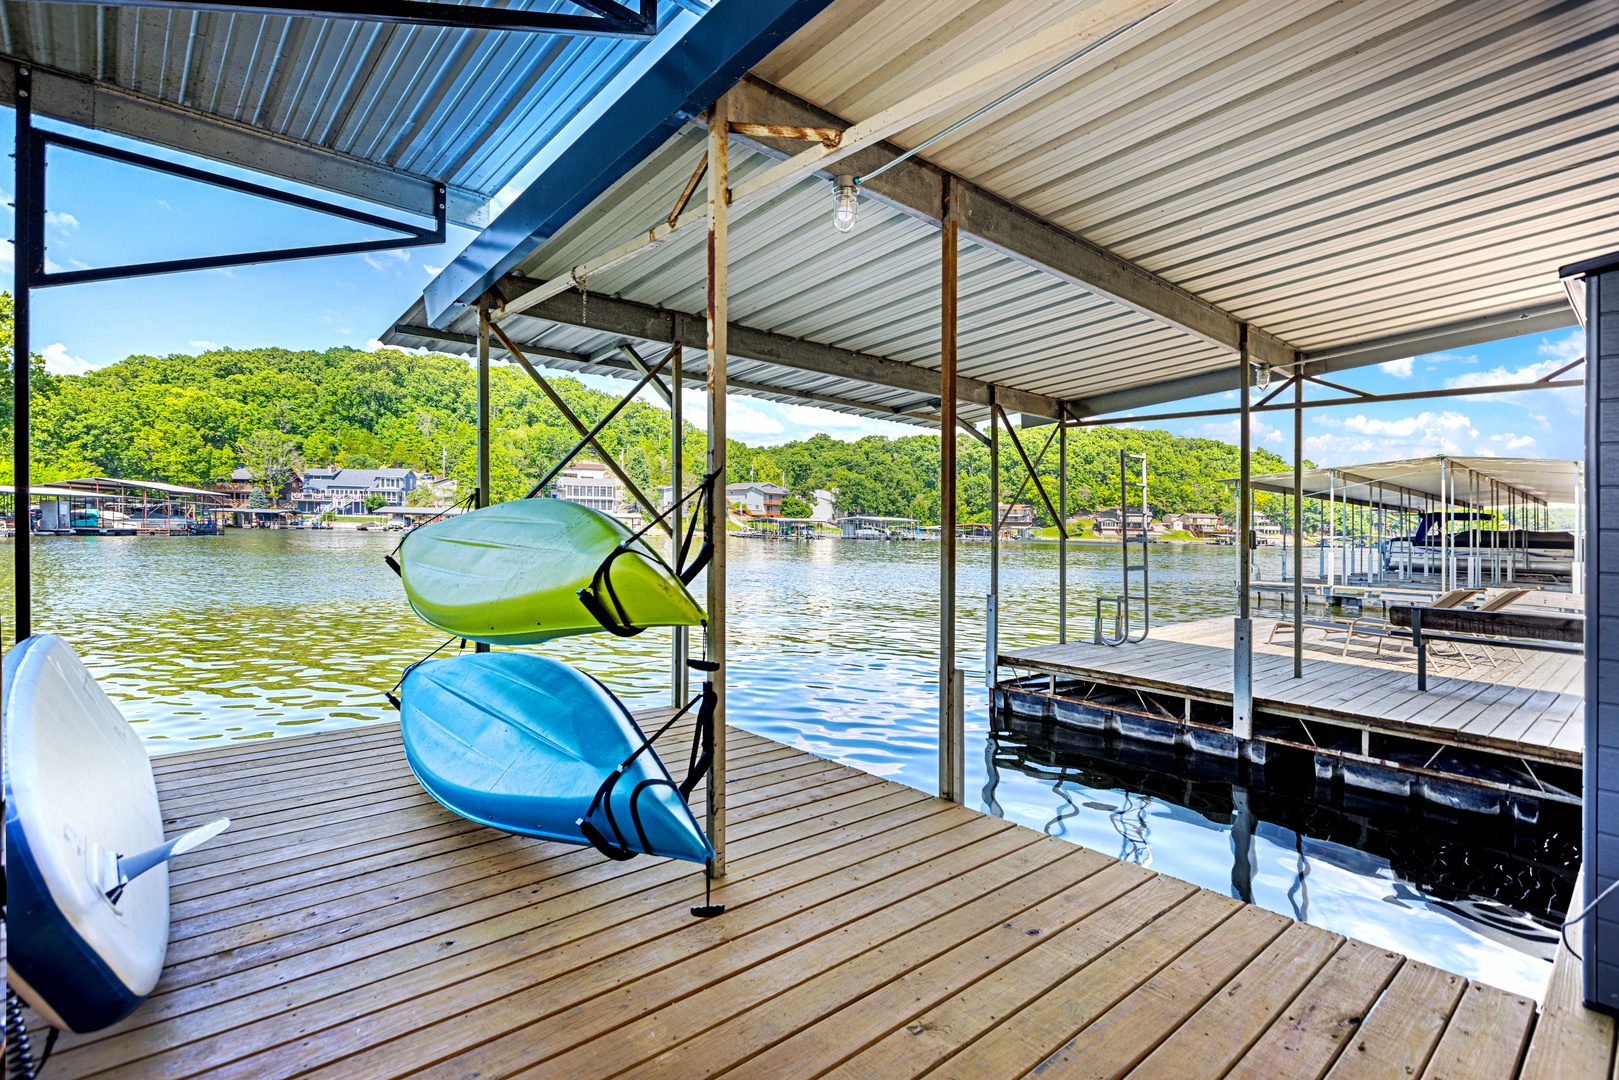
[1122, 604]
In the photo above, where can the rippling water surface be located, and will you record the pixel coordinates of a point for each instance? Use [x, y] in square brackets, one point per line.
[833, 649]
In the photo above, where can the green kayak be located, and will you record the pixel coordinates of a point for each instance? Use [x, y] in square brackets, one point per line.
[538, 569]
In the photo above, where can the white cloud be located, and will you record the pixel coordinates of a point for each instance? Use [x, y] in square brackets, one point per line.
[1231, 431]
[386, 260]
[826, 418]
[1572, 397]
[1571, 346]
[433, 271]
[1449, 358]
[205, 346]
[1365, 438]
[742, 421]
[58, 220]
[1511, 441]
[58, 361]
[1528, 373]
[1400, 369]
[164, 203]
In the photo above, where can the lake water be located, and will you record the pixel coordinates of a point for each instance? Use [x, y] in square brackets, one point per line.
[259, 633]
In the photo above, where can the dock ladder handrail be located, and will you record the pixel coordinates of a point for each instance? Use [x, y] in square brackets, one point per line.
[1123, 603]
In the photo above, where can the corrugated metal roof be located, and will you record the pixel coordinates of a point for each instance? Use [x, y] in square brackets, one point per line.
[1389, 483]
[1330, 171]
[467, 108]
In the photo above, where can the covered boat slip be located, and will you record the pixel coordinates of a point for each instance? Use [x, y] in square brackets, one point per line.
[1189, 195]
[1447, 520]
[348, 926]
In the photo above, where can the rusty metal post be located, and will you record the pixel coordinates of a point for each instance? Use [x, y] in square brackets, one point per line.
[719, 199]
[952, 757]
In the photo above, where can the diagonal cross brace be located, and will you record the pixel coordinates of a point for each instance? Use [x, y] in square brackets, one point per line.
[1017, 444]
[587, 434]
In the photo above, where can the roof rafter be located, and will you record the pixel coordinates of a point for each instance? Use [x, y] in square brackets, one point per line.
[100, 107]
[647, 323]
[917, 188]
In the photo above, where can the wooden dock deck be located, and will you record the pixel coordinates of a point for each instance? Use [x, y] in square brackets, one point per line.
[1532, 706]
[347, 926]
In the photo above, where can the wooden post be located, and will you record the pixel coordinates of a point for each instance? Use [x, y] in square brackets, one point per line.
[1242, 689]
[719, 200]
[952, 762]
[680, 686]
[485, 498]
[1298, 522]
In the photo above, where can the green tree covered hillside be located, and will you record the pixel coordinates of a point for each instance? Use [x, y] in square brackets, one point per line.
[191, 419]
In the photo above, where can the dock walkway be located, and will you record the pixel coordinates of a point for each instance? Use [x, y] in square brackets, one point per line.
[1531, 706]
[348, 926]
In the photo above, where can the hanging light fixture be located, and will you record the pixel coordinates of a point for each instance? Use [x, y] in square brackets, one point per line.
[1262, 376]
[845, 203]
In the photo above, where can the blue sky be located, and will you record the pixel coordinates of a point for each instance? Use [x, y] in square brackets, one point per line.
[104, 213]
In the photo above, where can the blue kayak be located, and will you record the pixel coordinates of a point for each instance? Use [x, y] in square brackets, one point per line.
[530, 746]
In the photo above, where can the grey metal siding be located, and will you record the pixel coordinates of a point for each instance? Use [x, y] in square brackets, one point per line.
[1601, 954]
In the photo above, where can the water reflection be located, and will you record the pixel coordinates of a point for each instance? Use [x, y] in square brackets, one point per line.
[834, 649]
[1484, 894]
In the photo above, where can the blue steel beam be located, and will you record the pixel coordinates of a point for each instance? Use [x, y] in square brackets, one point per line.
[707, 58]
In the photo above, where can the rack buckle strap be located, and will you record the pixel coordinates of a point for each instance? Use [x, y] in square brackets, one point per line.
[616, 846]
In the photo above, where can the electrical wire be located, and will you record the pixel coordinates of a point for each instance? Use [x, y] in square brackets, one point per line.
[1601, 896]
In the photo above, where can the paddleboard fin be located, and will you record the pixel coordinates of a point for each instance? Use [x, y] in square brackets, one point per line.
[131, 867]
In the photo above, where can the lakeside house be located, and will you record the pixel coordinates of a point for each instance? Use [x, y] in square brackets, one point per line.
[755, 498]
[238, 486]
[1204, 526]
[1106, 521]
[332, 489]
[589, 483]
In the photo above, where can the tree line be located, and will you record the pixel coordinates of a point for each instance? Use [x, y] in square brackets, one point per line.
[192, 419]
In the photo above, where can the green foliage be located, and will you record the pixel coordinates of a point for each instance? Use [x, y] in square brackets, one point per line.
[375, 501]
[794, 507]
[271, 459]
[258, 500]
[192, 419]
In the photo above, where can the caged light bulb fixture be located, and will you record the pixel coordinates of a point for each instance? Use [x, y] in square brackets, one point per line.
[845, 203]
[1262, 376]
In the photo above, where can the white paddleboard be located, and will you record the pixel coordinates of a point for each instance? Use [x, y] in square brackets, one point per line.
[79, 794]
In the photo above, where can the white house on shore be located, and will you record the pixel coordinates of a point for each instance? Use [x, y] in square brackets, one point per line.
[328, 488]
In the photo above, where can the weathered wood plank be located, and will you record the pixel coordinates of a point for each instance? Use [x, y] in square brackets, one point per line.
[1401, 1031]
[1569, 1039]
[1486, 1036]
[1305, 1041]
[1117, 1041]
[1212, 1039]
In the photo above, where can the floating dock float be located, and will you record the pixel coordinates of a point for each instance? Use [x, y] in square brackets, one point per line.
[348, 926]
[1489, 737]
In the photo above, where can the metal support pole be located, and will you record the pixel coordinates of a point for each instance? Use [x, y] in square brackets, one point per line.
[1446, 496]
[25, 258]
[952, 734]
[1298, 526]
[484, 496]
[1062, 525]
[679, 683]
[992, 601]
[719, 213]
[1242, 688]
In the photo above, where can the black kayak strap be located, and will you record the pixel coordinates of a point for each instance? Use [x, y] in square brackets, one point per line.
[701, 758]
